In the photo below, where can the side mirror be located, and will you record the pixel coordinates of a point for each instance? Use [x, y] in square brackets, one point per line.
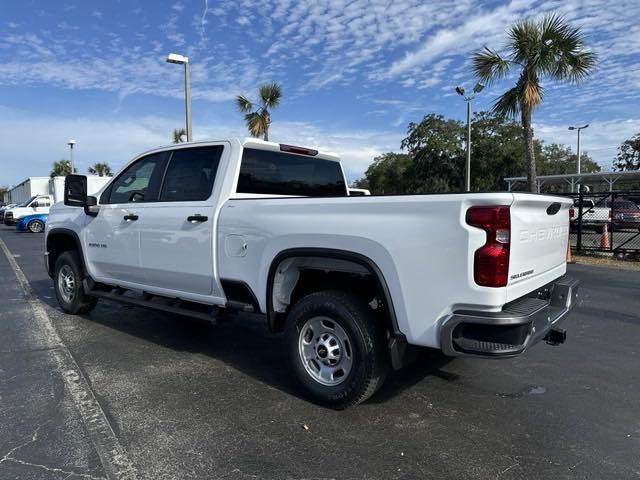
[75, 190]
[34, 205]
[91, 206]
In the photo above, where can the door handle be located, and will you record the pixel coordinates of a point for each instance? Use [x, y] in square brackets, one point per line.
[130, 217]
[197, 218]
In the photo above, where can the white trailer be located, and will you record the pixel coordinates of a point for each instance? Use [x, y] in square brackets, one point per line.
[30, 187]
[56, 186]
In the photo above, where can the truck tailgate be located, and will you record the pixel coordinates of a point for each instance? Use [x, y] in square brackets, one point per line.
[539, 236]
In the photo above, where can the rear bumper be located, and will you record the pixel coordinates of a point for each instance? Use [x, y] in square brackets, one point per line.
[521, 323]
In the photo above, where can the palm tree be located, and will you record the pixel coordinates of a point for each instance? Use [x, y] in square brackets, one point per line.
[548, 48]
[179, 134]
[258, 121]
[101, 169]
[61, 168]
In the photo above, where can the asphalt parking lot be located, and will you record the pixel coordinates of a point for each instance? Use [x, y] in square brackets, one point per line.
[165, 397]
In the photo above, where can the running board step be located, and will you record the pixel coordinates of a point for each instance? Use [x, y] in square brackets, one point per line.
[155, 302]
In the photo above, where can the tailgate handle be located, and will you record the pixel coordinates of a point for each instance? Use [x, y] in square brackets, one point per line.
[130, 217]
[553, 208]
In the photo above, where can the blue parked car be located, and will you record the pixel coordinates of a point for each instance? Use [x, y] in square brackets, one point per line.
[32, 223]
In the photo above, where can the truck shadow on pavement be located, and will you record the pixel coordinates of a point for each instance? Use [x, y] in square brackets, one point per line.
[228, 342]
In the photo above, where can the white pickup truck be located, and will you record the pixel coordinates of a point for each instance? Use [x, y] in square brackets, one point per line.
[355, 282]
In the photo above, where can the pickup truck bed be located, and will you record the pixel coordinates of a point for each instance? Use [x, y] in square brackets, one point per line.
[356, 283]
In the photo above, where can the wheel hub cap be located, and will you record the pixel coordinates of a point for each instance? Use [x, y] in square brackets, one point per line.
[325, 351]
[66, 283]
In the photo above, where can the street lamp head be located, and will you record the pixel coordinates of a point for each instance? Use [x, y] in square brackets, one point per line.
[460, 90]
[176, 58]
[71, 143]
[478, 88]
[572, 128]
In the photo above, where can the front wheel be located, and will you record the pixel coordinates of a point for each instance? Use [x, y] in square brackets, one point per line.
[35, 226]
[67, 278]
[336, 348]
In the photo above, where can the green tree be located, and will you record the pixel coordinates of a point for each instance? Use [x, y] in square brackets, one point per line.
[61, 168]
[628, 157]
[179, 135]
[557, 159]
[100, 169]
[436, 149]
[549, 48]
[258, 117]
[496, 151]
[386, 175]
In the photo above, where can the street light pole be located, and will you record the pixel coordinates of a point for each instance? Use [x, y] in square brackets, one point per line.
[468, 98]
[578, 148]
[71, 143]
[467, 177]
[182, 60]
[187, 100]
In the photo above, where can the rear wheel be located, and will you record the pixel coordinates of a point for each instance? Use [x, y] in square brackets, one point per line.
[67, 277]
[336, 348]
[35, 226]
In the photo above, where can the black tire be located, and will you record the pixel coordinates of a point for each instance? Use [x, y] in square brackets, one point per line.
[71, 298]
[36, 226]
[369, 362]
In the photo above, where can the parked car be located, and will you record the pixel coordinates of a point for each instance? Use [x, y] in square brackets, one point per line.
[32, 223]
[356, 283]
[598, 212]
[5, 208]
[624, 214]
[34, 205]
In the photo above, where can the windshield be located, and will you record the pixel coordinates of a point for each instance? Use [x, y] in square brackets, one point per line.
[24, 204]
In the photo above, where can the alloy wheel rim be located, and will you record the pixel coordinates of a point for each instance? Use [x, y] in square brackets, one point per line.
[36, 227]
[325, 351]
[67, 284]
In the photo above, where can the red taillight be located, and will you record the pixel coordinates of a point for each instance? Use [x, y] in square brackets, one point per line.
[572, 212]
[491, 261]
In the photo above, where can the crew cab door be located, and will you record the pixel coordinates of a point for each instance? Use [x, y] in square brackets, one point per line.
[112, 238]
[177, 232]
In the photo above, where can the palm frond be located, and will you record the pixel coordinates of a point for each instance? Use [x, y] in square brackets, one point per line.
[178, 134]
[243, 104]
[489, 65]
[531, 93]
[270, 94]
[255, 124]
[524, 41]
[508, 104]
[564, 55]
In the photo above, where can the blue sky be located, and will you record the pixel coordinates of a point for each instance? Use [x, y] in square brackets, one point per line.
[354, 73]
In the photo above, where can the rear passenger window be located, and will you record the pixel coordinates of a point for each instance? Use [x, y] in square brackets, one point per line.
[191, 174]
[278, 173]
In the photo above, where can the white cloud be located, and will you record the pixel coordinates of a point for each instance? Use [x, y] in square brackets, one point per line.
[600, 140]
[117, 141]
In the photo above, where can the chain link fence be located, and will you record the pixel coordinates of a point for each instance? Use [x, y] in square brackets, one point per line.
[606, 222]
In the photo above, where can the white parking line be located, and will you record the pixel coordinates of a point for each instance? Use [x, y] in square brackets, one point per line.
[113, 456]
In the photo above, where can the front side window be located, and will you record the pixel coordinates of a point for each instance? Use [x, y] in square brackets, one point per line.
[44, 202]
[191, 174]
[278, 173]
[140, 182]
